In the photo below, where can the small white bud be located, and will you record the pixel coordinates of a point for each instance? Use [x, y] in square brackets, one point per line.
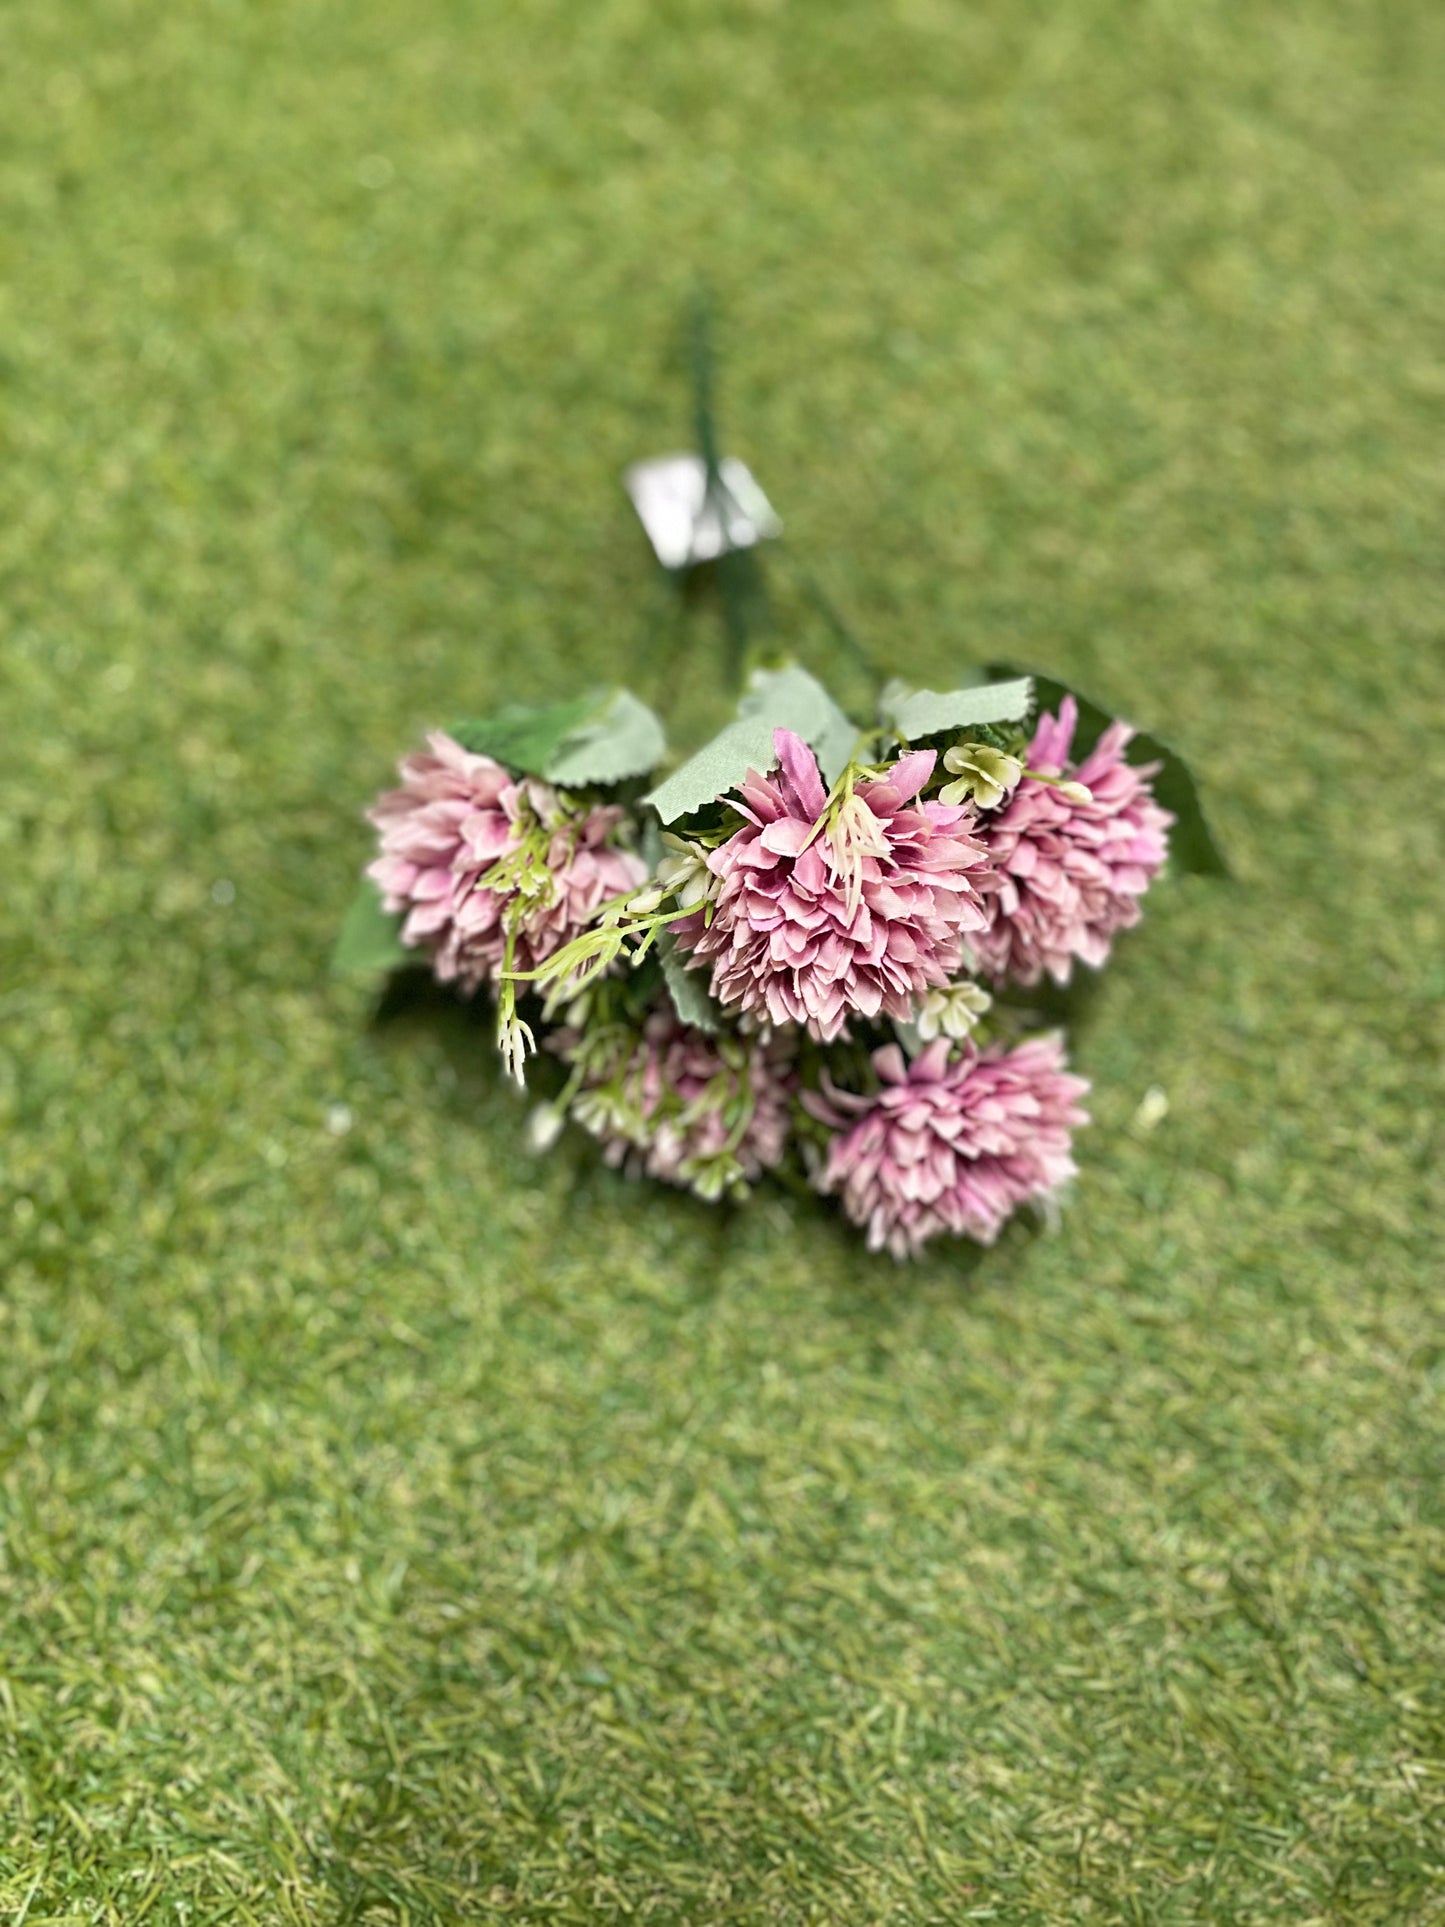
[544, 1127]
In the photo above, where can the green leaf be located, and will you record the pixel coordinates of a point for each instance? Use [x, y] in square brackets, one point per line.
[913, 714]
[622, 739]
[1192, 848]
[687, 988]
[791, 691]
[369, 942]
[525, 736]
[776, 699]
[592, 739]
[719, 766]
[909, 1041]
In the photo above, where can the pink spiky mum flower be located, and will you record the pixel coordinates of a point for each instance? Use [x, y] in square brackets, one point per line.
[710, 1113]
[479, 858]
[1070, 860]
[826, 908]
[950, 1144]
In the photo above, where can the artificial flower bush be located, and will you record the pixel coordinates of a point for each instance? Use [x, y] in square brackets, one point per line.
[807, 952]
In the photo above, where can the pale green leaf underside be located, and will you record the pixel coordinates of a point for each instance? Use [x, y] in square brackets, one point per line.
[719, 766]
[687, 988]
[776, 699]
[926, 712]
[908, 1038]
[821, 723]
[624, 739]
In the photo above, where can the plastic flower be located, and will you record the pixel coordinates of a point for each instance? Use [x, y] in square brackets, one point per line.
[682, 874]
[707, 1113]
[952, 1012]
[485, 863]
[1070, 859]
[828, 907]
[684, 871]
[950, 1144]
[982, 772]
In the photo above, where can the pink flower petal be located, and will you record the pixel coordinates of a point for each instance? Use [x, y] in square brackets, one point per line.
[911, 772]
[787, 837]
[800, 766]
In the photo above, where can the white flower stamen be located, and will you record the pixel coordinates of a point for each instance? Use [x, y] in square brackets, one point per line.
[853, 836]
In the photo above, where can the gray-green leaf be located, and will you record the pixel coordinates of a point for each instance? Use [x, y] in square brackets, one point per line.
[719, 766]
[908, 1038]
[776, 699]
[687, 988]
[792, 692]
[623, 739]
[924, 712]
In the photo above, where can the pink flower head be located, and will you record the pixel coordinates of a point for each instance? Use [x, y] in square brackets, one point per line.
[1068, 872]
[827, 910]
[456, 818]
[708, 1113]
[950, 1144]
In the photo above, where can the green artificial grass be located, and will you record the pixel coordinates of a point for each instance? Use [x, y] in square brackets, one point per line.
[397, 1528]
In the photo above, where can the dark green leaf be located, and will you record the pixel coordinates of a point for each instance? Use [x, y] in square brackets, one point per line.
[1192, 848]
[369, 942]
[525, 736]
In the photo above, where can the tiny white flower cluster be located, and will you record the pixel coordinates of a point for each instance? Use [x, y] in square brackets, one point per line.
[981, 772]
[682, 876]
[951, 1012]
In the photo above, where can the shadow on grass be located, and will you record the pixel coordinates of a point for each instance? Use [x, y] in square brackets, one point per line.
[413, 1004]
[463, 1027]
[731, 1238]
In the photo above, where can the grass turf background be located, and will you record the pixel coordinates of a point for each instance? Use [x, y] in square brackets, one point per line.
[396, 1528]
